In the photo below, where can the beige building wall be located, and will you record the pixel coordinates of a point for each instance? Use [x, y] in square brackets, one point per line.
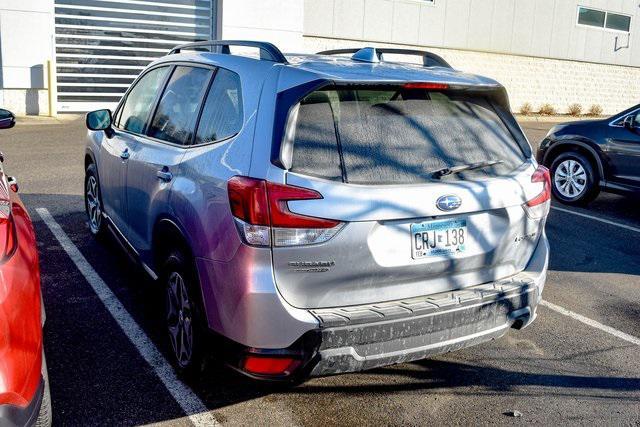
[535, 48]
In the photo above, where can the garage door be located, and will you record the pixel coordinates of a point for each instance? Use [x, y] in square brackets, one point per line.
[102, 45]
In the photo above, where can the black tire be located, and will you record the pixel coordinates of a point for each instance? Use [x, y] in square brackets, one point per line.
[44, 416]
[587, 182]
[178, 266]
[96, 222]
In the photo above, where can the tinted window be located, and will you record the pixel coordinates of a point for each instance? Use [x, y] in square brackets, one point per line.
[618, 22]
[315, 142]
[222, 113]
[177, 112]
[399, 137]
[139, 102]
[591, 17]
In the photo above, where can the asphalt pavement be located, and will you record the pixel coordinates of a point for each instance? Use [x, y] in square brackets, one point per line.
[577, 364]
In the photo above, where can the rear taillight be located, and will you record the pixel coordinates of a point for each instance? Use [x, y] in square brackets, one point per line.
[539, 206]
[261, 211]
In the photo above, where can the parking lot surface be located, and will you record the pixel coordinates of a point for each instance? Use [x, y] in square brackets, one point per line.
[579, 363]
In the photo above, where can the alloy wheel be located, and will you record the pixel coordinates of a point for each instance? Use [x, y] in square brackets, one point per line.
[179, 319]
[94, 210]
[570, 179]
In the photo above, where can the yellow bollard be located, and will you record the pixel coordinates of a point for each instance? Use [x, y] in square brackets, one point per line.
[51, 90]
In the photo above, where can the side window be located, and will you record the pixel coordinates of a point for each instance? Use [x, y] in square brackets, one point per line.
[139, 102]
[222, 113]
[177, 112]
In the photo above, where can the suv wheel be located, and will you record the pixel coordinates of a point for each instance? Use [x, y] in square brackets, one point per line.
[93, 201]
[573, 179]
[184, 315]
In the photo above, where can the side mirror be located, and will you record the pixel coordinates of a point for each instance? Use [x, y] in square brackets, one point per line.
[7, 119]
[100, 120]
[630, 122]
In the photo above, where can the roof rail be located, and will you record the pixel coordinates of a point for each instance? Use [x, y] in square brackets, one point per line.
[268, 51]
[429, 59]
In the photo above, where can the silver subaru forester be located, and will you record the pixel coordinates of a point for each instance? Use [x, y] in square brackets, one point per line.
[319, 214]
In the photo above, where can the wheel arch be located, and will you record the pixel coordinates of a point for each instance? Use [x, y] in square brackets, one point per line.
[577, 146]
[89, 158]
[168, 234]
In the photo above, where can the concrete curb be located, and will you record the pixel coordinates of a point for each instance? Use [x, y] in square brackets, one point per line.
[44, 120]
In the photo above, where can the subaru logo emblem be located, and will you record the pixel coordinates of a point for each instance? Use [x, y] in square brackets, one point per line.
[448, 203]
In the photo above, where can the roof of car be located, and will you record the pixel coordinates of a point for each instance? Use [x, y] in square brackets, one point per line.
[363, 65]
[344, 68]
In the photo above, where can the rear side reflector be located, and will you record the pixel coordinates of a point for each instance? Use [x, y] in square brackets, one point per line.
[539, 206]
[8, 242]
[273, 366]
[260, 208]
[426, 85]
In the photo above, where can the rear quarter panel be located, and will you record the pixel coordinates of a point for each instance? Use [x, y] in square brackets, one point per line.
[20, 315]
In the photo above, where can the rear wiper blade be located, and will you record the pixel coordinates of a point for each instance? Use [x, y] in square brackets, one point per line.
[461, 168]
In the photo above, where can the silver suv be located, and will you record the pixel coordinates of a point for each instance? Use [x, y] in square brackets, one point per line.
[320, 214]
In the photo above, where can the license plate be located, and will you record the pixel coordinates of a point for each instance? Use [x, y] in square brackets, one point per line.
[438, 238]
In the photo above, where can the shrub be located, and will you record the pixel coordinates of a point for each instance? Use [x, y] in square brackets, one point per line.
[547, 110]
[526, 109]
[595, 110]
[575, 109]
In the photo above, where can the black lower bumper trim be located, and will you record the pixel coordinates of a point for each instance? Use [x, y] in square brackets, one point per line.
[367, 337]
[15, 416]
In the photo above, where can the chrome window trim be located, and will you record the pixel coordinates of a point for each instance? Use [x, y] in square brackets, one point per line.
[611, 123]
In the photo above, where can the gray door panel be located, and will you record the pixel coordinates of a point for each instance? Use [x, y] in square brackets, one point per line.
[112, 170]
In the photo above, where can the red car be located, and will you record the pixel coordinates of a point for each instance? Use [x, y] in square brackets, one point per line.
[24, 389]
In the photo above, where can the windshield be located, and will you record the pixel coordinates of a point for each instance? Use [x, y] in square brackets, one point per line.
[400, 136]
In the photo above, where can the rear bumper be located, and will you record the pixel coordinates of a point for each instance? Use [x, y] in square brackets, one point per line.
[366, 337]
[11, 415]
[355, 338]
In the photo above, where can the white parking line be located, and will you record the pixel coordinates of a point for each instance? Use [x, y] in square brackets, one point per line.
[191, 404]
[592, 323]
[595, 218]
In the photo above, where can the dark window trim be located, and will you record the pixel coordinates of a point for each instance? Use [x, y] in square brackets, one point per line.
[172, 65]
[159, 98]
[217, 141]
[618, 119]
[130, 88]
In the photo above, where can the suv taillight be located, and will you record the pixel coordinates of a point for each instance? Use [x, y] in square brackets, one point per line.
[539, 206]
[261, 212]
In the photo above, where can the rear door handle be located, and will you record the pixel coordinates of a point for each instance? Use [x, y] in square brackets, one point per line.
[125, 154]
[164, 175]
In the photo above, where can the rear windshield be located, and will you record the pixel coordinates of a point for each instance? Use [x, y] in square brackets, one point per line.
[399, 136]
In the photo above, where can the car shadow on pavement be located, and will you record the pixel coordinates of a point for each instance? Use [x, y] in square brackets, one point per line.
[97, 374]
[441, 374]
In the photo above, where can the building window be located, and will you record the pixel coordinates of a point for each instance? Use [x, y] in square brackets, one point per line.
[618, 22]
[602, 19]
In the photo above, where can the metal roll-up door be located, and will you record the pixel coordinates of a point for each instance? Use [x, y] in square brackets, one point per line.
[102, 45]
